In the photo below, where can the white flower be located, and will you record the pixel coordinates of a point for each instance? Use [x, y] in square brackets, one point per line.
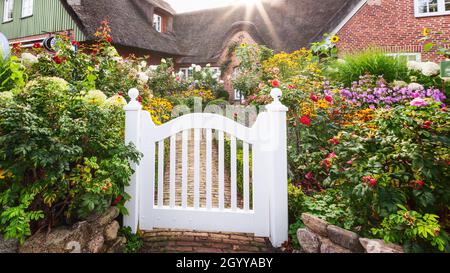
[29, 59]
[153, 67]
[430, 69]
[198, 68]
[95, 97]
[208, 65]
[163, 61]
[181, 74]
[415, 86]
[414, 66]
[193, 65]
[117, 100]
[142, 77]
[215, 76]
[6, 96]
[118, 59]
[143, 64]
[221, 82]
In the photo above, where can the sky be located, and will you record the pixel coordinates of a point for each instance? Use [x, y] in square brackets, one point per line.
[190, 5]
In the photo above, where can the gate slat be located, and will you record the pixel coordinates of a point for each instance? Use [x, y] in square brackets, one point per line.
[221, 171]
[173, 161]
[184, 168]
[233, 173]
[246, 177]
[161, 173]
[208, 168]
[196, 168]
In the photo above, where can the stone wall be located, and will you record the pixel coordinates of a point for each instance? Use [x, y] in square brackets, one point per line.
[321, 237]
[98, 234]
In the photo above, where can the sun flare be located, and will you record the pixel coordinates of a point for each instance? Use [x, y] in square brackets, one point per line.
[250, 2]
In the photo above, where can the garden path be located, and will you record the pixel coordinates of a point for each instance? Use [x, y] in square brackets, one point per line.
[167, 240]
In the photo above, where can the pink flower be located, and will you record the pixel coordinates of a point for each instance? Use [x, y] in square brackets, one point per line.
[314, 98]
[419, 102]
[309, 176]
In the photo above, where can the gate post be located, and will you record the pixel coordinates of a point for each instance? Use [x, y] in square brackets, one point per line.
[132, 135]
[277, 170]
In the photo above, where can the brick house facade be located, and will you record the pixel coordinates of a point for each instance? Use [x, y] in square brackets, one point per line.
[394, 26]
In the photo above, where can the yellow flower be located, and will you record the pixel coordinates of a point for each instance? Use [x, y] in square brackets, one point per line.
[426, 32]
[160, 110]
[2, 174]
[95, 97]
[335, 39]
[117, 101]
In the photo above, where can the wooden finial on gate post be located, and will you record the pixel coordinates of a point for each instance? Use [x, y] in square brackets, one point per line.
[132, 135]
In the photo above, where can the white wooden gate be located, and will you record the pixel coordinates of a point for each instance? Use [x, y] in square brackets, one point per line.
[264, 211]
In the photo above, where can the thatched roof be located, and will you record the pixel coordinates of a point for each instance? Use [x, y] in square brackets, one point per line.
[129, 24]
[162, 5]
[203, 34]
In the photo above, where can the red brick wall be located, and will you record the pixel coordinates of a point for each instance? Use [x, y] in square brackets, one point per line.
[391, 25]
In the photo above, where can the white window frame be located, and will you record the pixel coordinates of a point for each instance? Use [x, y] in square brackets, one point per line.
[27, 8]
[7, 5]
[157, 22]
[441, 9]
[418, 56]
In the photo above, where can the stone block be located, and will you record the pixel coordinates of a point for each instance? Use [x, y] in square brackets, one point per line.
[345, 238]
[309, 241]
[315, 224]
[379, 246]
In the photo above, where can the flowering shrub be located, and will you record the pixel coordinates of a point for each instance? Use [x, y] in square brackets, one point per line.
[63, 156]
[160, 110]
[403, 161]
[368, 94]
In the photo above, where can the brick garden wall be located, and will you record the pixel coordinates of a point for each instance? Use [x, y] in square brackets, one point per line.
[391, 25]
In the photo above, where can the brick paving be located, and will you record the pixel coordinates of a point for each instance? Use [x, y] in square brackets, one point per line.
[188, 241]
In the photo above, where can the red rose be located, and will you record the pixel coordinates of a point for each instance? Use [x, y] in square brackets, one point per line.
[370, 180]
[57, 59]
[426, 124]
[329, 98]
[420, 184]
[309, 176]
[139, 99]
[314, 98]
[117, 200]
[305, 120]
[275, 83]
[37, 45]
[76, 43]
[120, 93]
[109, 39]
[291, 86]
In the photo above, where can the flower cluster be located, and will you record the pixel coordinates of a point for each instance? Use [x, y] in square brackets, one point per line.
[382, 95]
[426, 68]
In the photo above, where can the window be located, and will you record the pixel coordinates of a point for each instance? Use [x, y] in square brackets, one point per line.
[238, 95]
[407, 56]
[216, 71]
[186, 72]
[27, 8]
[157, 22]
[431, 7]
[8, 10]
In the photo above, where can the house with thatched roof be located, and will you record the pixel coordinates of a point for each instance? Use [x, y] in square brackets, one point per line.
[153, 28]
